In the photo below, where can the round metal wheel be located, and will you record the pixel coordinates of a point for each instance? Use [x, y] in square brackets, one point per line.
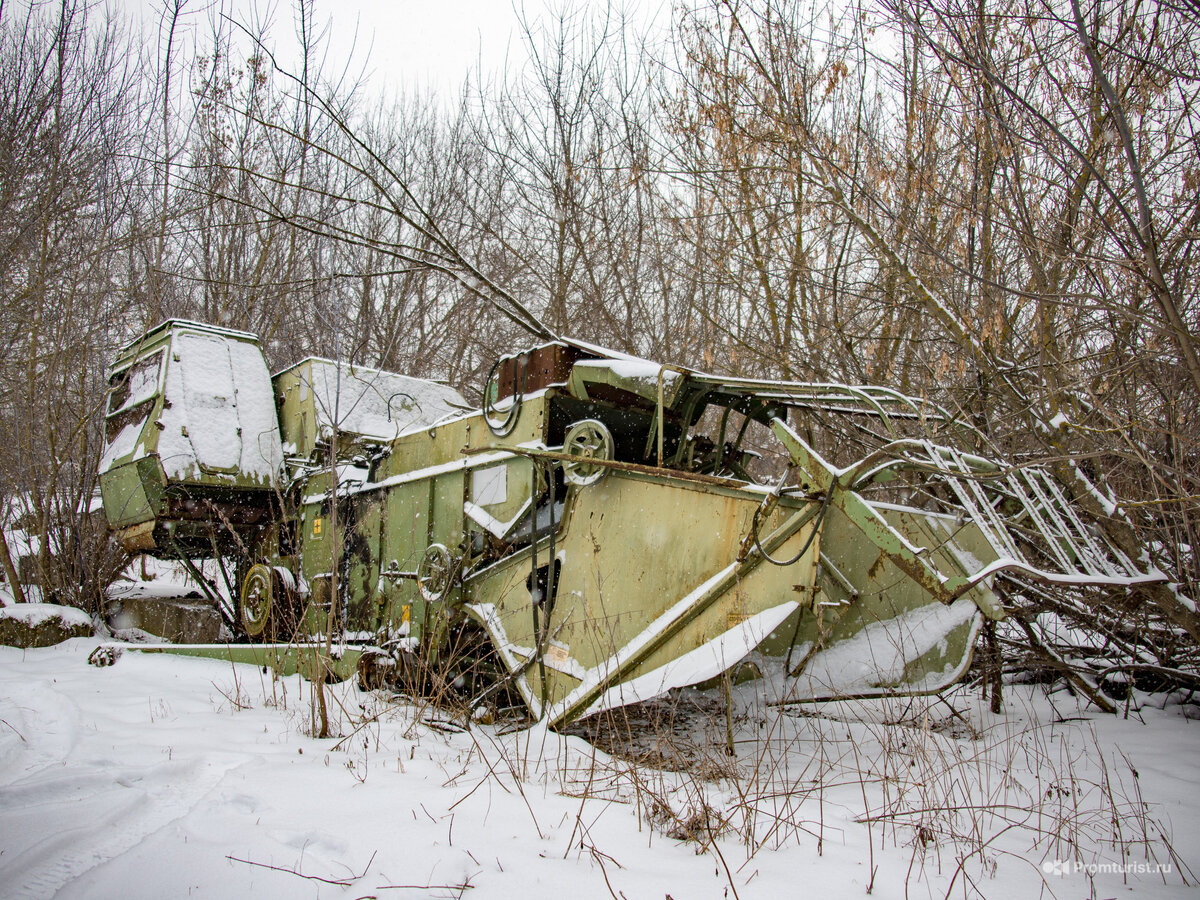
[587, 439]
[376, 669]
[258, 599]
[435, 572]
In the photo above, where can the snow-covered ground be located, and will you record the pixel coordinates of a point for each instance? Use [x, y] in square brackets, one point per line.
[175, 777]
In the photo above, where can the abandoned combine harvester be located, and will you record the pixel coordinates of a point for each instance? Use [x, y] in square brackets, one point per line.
[604, 529]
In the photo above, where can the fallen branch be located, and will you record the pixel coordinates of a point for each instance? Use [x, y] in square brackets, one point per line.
[1181, 677]
[1055, 661]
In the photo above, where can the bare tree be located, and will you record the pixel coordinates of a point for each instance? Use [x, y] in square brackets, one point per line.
[69, 100]
[575, 142]
[990, 216]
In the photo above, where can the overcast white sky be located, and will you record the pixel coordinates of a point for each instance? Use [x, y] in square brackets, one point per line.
[422, 42]
[414, 43]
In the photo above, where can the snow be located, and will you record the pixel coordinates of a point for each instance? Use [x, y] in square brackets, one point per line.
[486, 520]
[702, 664]
[143, 383]
[143, 378]
[1183, 600]
[34, 614]
[633, 369]
[377, 404]
[123, 444]
[166, 776]
[219, 410]
[875, 657]
[262, 453]
[146, 576]
[1106, 503]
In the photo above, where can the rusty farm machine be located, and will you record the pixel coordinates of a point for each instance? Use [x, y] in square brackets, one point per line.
[601, 530]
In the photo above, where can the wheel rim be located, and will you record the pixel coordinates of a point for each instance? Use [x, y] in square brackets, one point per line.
[433, 574]
[587, 440]
[257, 600]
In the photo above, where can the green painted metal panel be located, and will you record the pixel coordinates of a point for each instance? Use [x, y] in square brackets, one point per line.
[283, 659]
[631, 548]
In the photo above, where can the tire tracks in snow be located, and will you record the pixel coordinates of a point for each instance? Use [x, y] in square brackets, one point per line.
[60, 815]
[99, 816]
[42, 730]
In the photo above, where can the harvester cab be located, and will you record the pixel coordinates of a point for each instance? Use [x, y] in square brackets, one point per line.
[602, 530]
[192, 439]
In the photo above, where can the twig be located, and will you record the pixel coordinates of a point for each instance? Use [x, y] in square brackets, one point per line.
[866, 812]
[599, 857]
[17, 733]
[712, 842]
[462, 886]
[339, 882]
[974, 731]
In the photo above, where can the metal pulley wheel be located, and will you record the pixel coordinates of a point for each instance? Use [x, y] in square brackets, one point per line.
[435, 572]
[587, 440]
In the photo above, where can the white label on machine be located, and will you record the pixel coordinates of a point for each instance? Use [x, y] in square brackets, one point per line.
[490, 486]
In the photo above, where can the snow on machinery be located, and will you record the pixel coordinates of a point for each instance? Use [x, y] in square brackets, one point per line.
[604, 529]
